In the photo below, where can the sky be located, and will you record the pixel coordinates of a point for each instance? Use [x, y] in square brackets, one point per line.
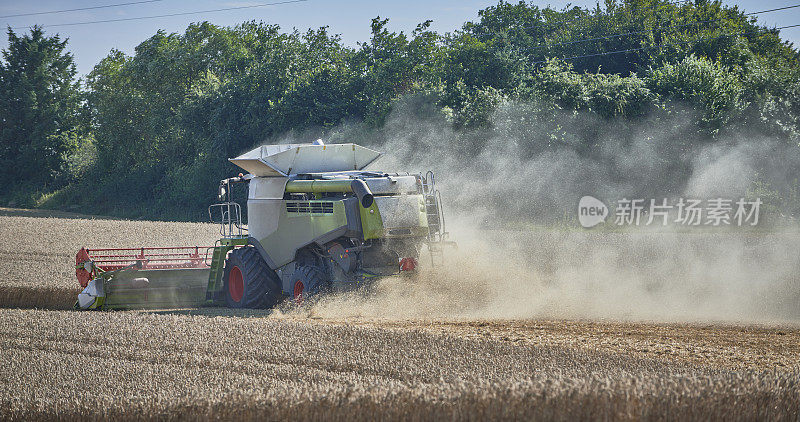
[350, 18]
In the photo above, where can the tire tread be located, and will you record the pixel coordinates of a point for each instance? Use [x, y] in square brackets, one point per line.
[262, 288]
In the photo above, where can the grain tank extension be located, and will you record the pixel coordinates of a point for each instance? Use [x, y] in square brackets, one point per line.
[317, 222]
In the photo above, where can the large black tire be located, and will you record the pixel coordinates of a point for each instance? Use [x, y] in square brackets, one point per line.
[249, 282]
[307, 281]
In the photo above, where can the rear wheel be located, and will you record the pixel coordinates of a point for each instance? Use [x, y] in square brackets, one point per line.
[307, 281]
[249, 282]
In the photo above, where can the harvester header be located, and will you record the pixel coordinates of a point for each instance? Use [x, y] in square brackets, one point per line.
[317, 221]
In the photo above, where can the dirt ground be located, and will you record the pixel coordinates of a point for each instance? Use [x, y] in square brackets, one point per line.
[304, 364]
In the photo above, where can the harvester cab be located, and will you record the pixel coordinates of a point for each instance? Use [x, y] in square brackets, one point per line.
[316, 222]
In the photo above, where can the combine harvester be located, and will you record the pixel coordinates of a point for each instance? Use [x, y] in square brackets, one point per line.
[316, 222]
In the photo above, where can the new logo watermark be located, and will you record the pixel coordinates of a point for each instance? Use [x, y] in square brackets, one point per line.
[591, 211]
[681, 211]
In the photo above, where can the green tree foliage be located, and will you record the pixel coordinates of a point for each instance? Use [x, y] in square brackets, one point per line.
[391, 65]
[607, 95]
[699, 81]
[166, 119]
[41, 113]
[655, 31]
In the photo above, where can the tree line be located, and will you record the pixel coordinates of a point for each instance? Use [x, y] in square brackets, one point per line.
[149, 134]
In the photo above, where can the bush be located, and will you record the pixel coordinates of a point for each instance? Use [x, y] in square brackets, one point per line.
[700, 82]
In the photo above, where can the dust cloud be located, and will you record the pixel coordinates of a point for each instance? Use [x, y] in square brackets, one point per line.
[511, 193]
[659, 276]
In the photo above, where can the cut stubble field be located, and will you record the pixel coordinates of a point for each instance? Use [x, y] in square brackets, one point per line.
[310, 364]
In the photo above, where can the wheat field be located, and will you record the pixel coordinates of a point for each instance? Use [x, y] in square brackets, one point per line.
[310, 364]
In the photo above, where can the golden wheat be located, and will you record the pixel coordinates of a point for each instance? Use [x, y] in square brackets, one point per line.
[96, 365]
[311, 364]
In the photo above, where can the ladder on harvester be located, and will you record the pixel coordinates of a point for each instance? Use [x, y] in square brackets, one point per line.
[437, 234]
[232, 235]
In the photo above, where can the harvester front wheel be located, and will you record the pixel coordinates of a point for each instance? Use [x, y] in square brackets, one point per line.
[249, 282]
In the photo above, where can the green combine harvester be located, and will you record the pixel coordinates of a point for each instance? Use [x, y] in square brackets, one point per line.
[317, 222]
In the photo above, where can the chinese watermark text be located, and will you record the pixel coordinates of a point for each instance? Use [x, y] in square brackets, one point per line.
[687, 212]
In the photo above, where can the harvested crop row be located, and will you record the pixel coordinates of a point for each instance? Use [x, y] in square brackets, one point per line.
[38, 297]
[96, 365]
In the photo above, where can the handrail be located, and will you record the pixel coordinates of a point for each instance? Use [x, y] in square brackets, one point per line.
[230, 220]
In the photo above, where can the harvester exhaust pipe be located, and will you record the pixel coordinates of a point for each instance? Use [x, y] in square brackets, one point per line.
[355, 186]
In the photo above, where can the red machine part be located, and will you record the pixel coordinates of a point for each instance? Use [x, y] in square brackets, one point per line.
[236, 284]
[81, 260]
[87, 261]
[408, 264]
[298, 292]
